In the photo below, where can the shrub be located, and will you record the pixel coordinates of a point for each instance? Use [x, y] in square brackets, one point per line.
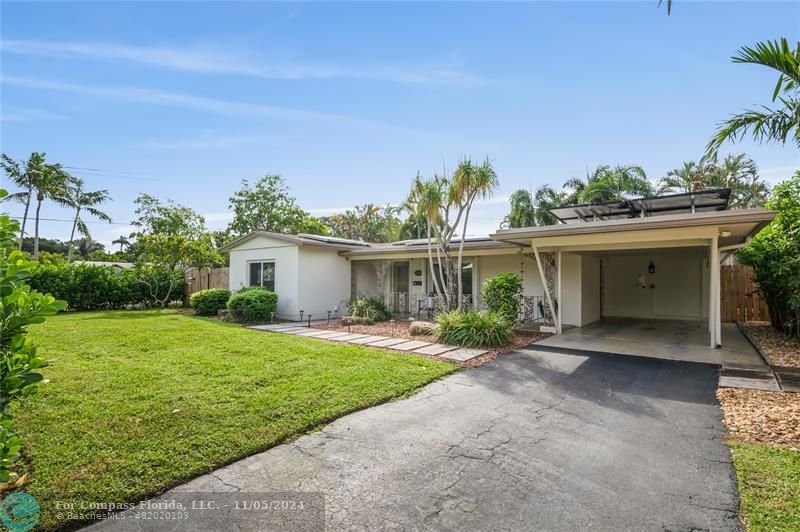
[252, 305]
[19, 362]
[208, 302]
[370, 307]
[473, 329]
[367, 321]
[502, 294]
[89, 287]
[774, 255]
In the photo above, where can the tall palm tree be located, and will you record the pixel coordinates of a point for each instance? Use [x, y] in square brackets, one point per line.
[87, 246]
[123, 242]
[52, 183]
[425, 200]
[617, 183]
[23, 175]
[768, 124]
[471, 182]
[81, 200]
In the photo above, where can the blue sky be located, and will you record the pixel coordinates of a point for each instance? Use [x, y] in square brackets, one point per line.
[349, 100]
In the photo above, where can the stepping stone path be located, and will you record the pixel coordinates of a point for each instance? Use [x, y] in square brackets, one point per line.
[446, 352]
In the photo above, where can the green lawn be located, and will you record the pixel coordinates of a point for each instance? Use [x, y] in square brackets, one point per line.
[769, 486]
[139, 401]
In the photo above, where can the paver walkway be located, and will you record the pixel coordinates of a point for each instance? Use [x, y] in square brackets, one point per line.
[445, 352]
[530, 441]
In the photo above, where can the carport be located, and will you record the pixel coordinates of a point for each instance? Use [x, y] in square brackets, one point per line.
[641, 277]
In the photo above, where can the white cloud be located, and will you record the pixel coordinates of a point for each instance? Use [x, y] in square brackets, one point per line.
[205, 104]
[12, 113]
[212, 61]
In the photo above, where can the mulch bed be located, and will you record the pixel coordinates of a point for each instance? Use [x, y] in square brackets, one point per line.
[780, 349]
[753, 416]
[400, 330]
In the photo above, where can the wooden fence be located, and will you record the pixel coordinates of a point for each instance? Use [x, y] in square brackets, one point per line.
[740, 298]
[201, 278]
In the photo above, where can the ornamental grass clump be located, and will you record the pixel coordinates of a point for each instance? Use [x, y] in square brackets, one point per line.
[473, 329]
[370, 308]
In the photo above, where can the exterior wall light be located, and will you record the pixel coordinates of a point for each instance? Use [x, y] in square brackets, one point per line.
[652, 267]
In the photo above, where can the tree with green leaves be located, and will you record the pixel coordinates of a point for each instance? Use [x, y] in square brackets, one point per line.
[170, 238]
[52, 183]
[778, 124]
[470, 182]
[123, 242]
[23, 175]
[522, 213]
[736, 172]
[368, 222]
[84, 201]
[413, 228]
[20, 307]
[616, 183]
[445, 202]
[267, 205]
[774, 254]
[157, 217]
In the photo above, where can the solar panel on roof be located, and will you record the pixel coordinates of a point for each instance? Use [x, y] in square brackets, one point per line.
[687, 203]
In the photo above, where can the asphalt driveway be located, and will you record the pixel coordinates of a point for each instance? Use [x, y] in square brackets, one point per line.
[532, 441]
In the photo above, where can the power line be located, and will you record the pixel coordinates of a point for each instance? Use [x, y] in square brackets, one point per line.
[71, 221]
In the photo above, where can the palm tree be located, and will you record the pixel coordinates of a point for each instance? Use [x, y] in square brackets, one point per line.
[425, 200]
[52, 183]
[87, 246]
[691, 177]
[124, 242]
[471, 182]
[80, 200]
[738, 172]
[522, 210]
[617, 183]
[23, 176]
[544, 199]
[779, 124]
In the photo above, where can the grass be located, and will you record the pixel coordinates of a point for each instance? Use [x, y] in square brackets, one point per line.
[140, 401]
[769, 486]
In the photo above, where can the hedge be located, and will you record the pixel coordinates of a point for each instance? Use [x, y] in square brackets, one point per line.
[90, 287]
[252, 305]
[207, 302]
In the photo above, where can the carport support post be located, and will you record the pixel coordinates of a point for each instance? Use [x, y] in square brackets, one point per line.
[558, 288]
[714, 325]
[548, 298]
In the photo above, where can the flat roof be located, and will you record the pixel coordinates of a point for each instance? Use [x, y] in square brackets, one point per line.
[758, 218]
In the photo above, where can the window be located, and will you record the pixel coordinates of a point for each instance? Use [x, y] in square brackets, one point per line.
[263, 274]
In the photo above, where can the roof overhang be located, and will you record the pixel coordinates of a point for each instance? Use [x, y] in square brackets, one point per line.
[677, 230]
[299, 240]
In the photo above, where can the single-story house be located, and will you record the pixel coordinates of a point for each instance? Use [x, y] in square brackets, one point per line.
[648, 258]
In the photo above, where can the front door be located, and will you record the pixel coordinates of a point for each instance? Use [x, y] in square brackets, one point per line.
[400, 287]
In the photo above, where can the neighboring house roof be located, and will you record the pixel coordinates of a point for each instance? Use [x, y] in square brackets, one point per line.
[122, 265]
[301, 239]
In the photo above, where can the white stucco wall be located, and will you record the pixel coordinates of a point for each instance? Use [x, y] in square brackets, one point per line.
[324, 281]
[491, 265]
[681, 285]
[570, 304]
[590, 289]
[284, 254]
[366, 279]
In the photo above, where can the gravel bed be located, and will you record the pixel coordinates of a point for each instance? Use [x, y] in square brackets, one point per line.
[779, 348]
[771, 418]
[400, 330]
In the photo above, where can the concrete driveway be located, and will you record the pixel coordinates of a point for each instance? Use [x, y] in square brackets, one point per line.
[532, 441]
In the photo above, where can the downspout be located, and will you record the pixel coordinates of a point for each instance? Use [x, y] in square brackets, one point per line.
[734, 247]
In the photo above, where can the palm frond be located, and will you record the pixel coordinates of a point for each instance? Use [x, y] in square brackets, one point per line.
[763, 125]
[778, 56]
